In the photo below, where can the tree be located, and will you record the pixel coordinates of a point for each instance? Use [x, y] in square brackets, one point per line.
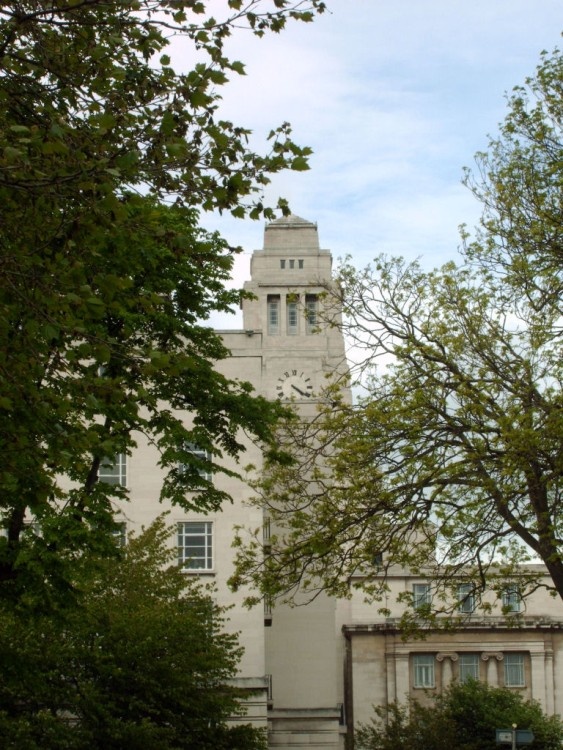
[106, 154]
[140, 659]
[450, 463]
[465, 716]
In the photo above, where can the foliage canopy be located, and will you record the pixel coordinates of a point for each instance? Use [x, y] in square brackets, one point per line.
[106, 154]
[466, 716]
[139, 660]
[450, 464]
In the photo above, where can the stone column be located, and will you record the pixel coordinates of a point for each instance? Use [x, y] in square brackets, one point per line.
[391, 671]
[492, 658]
[549, 683]
[446, 659]
[539, 683]
[402, 681]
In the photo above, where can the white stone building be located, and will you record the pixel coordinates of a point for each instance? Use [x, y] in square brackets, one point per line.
[523, 653]
[317, 669]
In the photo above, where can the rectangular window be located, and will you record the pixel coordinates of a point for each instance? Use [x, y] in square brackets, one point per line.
[514, 670]
[300, 261]
[466, 598]
[292, 264]
[31, 528]
[282, 263]
[423, 671]
[511, 599]
[273, 314]
[195, 545]
[311, 312]
[421, 595]
[292, 318]
[270, 691]
[468, 667]
[267, 531]
[113, 470]
[119, 533]
[268, 608]
[202, 455]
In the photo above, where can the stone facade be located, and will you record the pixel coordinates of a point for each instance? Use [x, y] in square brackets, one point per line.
[524, 653]
[313, 670]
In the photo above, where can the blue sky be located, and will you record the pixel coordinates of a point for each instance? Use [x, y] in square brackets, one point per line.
[395, 97]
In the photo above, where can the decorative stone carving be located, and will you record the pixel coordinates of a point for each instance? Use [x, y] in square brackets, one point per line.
[453, 655]
[486, 655]
[492, 658]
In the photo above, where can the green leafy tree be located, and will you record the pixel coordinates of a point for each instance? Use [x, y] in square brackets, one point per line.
[450, 464]
[106, 153]
[139, 660]
[465, 716]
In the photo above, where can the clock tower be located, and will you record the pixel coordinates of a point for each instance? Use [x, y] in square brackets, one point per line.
[286, 325]
[288, 277]
[292, 661]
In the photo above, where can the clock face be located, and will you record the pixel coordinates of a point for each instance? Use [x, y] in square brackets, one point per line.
[294, 384]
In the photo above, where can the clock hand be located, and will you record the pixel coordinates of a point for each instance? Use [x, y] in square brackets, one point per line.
[300, 392]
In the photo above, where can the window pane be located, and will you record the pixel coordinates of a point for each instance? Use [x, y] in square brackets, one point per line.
[119, 533]
[273, 314]
[203, 455]
[311, 310]
[195, 545]
[292, 318]
[113, 470]
[514, 670]
[423, 668]
[421, 595]
[468, 667]
[466, 598]
[511, 599]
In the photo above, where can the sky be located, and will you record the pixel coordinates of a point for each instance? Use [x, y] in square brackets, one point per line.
[395, 97]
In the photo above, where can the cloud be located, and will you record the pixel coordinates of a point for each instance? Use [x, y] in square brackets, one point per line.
[395, 97]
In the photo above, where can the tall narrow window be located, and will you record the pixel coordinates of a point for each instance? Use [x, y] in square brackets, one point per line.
[267, 610]
[514, 670]
[300, 263]
[423, 671]
[113, 470]
[511, 599]
[292, 317]
[195, 545]
[282, 263]
[466, 598]
[468, 667]
[267, 532]
[292, 263]
[311, 312]
[421, 596]
[273, 314]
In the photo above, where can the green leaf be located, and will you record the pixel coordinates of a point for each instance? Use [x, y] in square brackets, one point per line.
[53, 147]
[168, 123]
[238, 67]
[106, 121]
[12, 154]
[299, 164]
